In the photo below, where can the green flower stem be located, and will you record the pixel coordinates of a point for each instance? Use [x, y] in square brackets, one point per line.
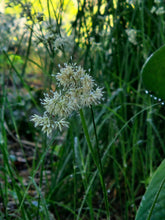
[28, 51]
[97, 143]
[96, 157]
[88, 138]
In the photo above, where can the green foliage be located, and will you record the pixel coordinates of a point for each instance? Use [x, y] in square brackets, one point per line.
[153, 74]
[152, 206]
[58, 178]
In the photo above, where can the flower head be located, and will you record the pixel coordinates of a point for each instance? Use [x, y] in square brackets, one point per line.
[45, 122]
[132, 34]
[77, 91]
[48, 124]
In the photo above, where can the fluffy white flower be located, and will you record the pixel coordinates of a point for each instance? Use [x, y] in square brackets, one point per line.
[87, 83]
[61, 123]
[160, 11]
[70, 76]
[157, 1]
[153, 9]
[37, 120]
[78, 86]
[77, 91]
[50, 102]
[59, 42]
[65, 77]
[92, 97]
[44, 122]
[64, 107]
[49, 123]
[131, 35]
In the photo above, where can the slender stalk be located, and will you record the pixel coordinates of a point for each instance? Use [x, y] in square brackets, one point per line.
[26, 86]
[28, 51]
[96, 158]
[80, 164]
[97, 143]
[101, 167]
[87, 137]
[74, 174]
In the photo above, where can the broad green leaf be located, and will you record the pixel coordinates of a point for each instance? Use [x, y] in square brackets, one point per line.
[152, 206]
[153, 73]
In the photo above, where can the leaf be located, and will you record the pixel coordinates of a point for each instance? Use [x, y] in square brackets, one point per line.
[152, 206]
[16, 59]
[153, 73]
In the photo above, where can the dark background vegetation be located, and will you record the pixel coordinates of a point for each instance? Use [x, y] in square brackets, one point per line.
[44, 178]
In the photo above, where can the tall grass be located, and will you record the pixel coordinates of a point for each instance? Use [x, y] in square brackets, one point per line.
[62, 180]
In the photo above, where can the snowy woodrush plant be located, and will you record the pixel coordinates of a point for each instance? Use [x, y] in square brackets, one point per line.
[77, 90]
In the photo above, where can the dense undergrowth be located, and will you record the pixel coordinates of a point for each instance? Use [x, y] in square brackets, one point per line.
[56, 178]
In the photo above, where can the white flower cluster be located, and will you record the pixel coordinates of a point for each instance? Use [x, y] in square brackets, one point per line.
[50, 37]
[77, 91]
[133, 1]
[11, 30]
[45, 33]
[158, 10]
[132, 33]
